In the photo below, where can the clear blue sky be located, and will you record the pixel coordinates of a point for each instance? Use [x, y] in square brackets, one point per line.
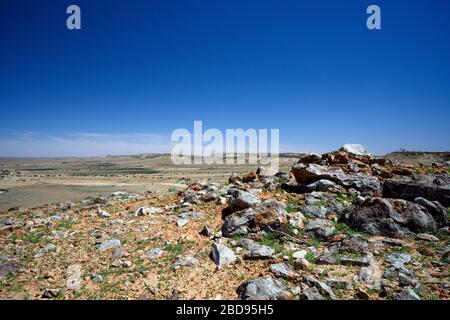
[139, 69]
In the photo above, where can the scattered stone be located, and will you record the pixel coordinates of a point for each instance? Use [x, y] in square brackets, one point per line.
[427, 237]
[74, 277]
[117, 263]
[207, 231]
[381, 171]
[142, 211]
[60, 235]
[182, 222]
[407, 281]
[249, 177]
[299, 254]
[9, 267]
[446, 253]
[51, 293]
[97, 278]
[315, 211]
[427, 251]
[255, 250]
[322, 185]
[100, 200]
[361, 294]
[302, 263]
[119, 253]
[109, 244]
[282, 270]
[268, 213]
[309, 158]
[154, 253]
[366, 274]
[354, 243]
[266, 172]
[326, 258]
[221, 201]
[222, 255]
[190, 197]
[103, 214]
[185, 261]
[312, 294]
[240, 200]
[437, 210]
[398, 259]
[365, 261]
[320, 228]
[50, 248]
[297, 220]
[234, 178]
[9, 221]
[261, 289]
[339, 283]
[191, 215]
[322, 287]
[393, 242]
[127, 264]
[407, 294]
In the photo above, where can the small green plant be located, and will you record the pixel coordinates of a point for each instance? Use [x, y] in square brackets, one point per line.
[113, 209]
[430, 296]
[239, 237]
[313, 241]
[343, 228]
[291, 229]
[65, 225]
[35, 238]
[403, 249]
[270, 240]
[319, 203]
[292, 206]
[310, 257]
[281, 179]
[174, 249]
[140, 266]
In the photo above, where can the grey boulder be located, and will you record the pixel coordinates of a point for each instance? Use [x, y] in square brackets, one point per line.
[222, 255]
[320, 228]
[430, 187]
[255, 250]
[391, 217]
[261, 289]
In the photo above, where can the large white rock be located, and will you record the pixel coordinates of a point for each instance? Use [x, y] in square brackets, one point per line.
[74, 277]
[355, 149]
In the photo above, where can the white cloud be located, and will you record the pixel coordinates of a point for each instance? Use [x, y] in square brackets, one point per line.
[87, 144]
[33, 144]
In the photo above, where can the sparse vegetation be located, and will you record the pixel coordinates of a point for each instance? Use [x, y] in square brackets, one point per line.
[292, 206]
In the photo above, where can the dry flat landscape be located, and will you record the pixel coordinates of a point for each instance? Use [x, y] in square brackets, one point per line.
[342, 225]
[38, 181]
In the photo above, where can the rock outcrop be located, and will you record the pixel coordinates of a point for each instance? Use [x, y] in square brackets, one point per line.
[391, 217]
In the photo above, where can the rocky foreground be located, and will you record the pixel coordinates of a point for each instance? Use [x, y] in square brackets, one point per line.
[342, 225]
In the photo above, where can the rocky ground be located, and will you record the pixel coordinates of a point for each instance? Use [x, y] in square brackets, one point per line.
[342, 225]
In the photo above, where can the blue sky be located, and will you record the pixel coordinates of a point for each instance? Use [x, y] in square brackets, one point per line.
[140, 69]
